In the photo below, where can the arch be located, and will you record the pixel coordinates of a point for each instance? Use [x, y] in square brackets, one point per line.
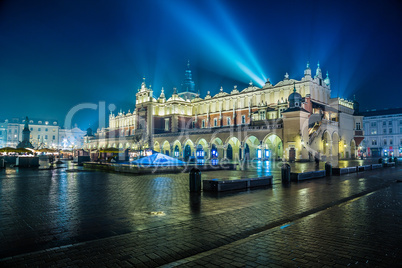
[188, 149]
[251, 145]
[335, 144]
[202, 148]
[127, 145]
[326, 144]
[177, 149]
[233, 152]
[353, 148]
[217, 145]
[166, 148]
[157, 147]
[273, 146]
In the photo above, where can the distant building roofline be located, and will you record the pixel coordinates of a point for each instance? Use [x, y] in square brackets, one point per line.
[386, 111]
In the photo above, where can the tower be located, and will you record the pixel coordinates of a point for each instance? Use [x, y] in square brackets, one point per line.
[188, 87]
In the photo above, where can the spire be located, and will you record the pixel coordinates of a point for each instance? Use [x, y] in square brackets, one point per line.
[294, 87]
[327, 81]
[318, 72]
[188, 84]
[162, 96]
[143, 85]
[307, 71]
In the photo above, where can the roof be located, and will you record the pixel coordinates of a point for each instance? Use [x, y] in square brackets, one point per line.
[375, 112]
[293, 109]
[158, 159]
[323, 107]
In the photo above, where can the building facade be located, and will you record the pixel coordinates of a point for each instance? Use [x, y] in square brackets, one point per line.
[252, 123]
[3, 134]
[71, 138]
[43, 134]
[383, 133]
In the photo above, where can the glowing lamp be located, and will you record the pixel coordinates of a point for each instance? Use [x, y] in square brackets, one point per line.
[259, 153]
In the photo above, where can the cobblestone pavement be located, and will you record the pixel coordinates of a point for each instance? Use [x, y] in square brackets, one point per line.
[54, 218]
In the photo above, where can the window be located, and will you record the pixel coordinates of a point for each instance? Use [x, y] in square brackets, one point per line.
[262, 115]
[215, 122]
[193, 124]
[373, 124]
[203, 123]
[46, 129]
[374, 132]
[166, 124]
[54, 137]
[228, 121]
[358, 126]
[31, 129]
[390, 123]
[374, 142]
[400, 142]
[1, 132]
[390, 142]
[385, 141]
[400, 130]
[45, 137]
[384, 131]
[39, 129]
[390, 130]
[38, 137]
[243, 119]
[384, 123]
[54, 130]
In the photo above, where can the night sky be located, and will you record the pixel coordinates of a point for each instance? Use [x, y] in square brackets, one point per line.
[55, 55]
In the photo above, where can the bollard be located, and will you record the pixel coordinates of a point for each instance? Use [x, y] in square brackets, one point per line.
[328, 169]
[285, 170]
[195, 180]
[380, 161]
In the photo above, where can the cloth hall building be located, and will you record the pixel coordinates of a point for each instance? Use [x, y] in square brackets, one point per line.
[294, 120]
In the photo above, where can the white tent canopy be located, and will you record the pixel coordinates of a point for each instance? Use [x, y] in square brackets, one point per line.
[158, 159]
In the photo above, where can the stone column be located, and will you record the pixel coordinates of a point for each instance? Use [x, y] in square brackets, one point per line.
[208, 152]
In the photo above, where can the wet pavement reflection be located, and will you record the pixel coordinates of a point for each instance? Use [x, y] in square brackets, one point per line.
[41, 209]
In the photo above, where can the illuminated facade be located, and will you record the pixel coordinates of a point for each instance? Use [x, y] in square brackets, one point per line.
[383, 133]
[43, 134]
[292, 120]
